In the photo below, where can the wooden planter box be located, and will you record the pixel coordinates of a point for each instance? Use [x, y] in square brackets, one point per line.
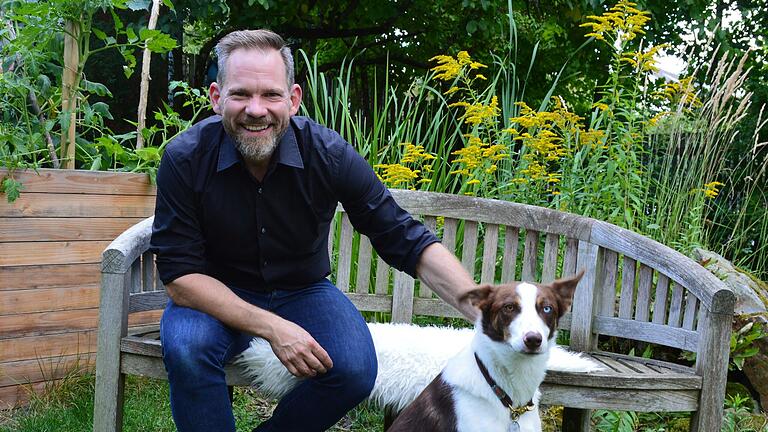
[51, 240]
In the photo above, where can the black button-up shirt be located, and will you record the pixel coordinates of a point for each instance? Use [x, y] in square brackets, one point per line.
[213, 217]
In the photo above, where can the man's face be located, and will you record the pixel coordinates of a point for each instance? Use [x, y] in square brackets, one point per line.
[255, 102]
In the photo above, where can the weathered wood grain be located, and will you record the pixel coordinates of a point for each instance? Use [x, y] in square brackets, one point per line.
[60, 181]
[623, 400]
[490, 251]
[345, 254]
[70, 252]
[43, 369]
[660, 301]
[35, 324]
[530, 256]
[676, 306]
[549, 262]
[509, 260]
[494, 211]
[48, 276]
[36, 229]
[32, 204]
[49, 345]
[469, 247]
[364, 255]
[49, 299]
[627, 296]
[704, 285]
[643, 305]
[647, 332]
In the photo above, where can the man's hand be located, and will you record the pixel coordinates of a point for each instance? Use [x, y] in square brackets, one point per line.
[298, 350]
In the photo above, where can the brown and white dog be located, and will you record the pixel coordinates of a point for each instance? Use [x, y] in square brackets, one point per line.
[491, 385]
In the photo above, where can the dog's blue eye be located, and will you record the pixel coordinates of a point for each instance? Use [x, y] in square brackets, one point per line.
[547, 309]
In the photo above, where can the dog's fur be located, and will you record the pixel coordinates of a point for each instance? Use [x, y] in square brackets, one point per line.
[513, 338]
[409, 357]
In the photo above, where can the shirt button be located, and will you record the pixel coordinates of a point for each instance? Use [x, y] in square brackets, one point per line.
[265, 263]
[263, 230]
[259, 190]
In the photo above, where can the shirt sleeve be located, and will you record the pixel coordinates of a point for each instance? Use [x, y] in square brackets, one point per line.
[397, 237]
[177, 240]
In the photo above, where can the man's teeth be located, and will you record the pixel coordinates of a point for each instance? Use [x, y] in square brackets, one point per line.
[253, 128]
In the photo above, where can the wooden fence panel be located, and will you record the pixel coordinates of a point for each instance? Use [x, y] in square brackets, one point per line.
[50, 253]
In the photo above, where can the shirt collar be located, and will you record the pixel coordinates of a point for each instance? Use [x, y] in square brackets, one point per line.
[287, 151]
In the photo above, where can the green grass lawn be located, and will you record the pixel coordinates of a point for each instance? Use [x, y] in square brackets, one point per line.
[68, 407]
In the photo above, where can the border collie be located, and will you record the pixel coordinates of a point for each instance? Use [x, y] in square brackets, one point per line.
[410, 357]
[492, 383]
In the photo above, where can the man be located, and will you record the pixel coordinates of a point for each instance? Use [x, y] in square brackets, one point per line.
[244, 204]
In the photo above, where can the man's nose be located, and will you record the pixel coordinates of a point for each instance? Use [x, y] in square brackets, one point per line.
[256, 107]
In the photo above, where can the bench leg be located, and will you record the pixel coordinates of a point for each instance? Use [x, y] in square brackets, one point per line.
[108, 399]
[576, 420]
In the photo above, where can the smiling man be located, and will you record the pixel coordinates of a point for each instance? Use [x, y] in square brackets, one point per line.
[245, 200]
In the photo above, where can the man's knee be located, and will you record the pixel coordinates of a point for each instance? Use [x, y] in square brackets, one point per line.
[355, 379]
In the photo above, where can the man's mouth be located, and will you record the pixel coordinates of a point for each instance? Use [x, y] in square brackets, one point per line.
[255, 128]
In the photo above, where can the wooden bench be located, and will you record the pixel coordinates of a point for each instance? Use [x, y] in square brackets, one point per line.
[634, 289]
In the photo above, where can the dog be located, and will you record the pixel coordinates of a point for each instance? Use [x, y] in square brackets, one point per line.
[409, 358]
[492, 385]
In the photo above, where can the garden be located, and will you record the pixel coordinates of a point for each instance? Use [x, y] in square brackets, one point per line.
[650, 116]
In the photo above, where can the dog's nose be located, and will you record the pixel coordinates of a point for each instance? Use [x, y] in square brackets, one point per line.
[532, 340]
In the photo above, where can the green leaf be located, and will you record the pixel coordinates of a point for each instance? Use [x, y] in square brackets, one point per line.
[169, 4]
[102, 109]
[148, 154]
[96, 164]
[12, 189]
[161, 43]
[99, 34]
[132, 38]
[96, 88]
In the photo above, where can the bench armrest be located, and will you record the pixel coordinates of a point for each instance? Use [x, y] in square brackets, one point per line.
[125, 249]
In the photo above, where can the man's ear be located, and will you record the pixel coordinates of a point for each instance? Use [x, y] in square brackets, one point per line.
[214, 94]
[478, 296]
[295, 95]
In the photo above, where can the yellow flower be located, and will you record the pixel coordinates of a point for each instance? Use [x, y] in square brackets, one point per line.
[624, 21]
[475, 114]
[397, 175]
[711, 189]
[473, 182]
[451, 90]
[447, 67]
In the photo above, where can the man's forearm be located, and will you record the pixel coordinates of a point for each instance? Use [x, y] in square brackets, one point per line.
[444, 274]
[292, 345]
[207, 294]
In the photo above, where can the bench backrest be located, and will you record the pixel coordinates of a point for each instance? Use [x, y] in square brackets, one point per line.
[633, 288]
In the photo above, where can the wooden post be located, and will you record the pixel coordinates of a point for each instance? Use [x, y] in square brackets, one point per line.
[144, 89]
[68, 91]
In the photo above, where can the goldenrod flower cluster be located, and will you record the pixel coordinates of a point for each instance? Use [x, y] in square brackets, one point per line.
[479, 113]
[624, 21]
[401, 176]
[548, 137]
[711, 189]
[478, 158]
[680, 93]
[449, 68]
[644, 61]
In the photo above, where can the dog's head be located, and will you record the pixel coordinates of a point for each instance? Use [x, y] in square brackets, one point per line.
[522, 314]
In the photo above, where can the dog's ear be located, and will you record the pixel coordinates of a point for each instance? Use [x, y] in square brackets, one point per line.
[477, 296]
[565, 288]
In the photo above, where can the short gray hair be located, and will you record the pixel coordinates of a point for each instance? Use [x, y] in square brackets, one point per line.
[253, 39]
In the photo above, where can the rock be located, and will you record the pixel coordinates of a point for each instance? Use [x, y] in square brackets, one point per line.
[756, 367]
[751, 294]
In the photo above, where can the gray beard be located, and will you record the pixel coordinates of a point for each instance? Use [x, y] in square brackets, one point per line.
[257, 150]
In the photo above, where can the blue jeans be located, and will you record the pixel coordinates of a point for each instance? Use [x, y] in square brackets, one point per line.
[196, 347]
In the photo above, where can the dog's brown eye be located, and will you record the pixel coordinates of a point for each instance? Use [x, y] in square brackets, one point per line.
[510, 307]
